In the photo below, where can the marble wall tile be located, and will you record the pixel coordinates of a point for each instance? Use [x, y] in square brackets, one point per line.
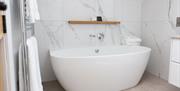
[51, 9]
[88, 9]
[156, 34]
[44, 46]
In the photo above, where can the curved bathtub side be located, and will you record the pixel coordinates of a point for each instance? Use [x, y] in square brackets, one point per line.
[112, 73]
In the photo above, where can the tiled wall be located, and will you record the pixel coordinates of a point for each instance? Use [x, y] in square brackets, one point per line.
[157, 29]
[53, 32]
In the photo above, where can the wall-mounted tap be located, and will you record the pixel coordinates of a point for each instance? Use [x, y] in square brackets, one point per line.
[92, 35]
[100, 36]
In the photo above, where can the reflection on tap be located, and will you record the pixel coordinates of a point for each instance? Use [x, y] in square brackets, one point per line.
[100, 36]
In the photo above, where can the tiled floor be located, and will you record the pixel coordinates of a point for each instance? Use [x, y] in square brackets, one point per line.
[148, 83]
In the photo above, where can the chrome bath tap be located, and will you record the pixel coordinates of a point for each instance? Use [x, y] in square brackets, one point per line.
[100, 36]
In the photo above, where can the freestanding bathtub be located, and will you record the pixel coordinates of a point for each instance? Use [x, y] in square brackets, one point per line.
[112, 68]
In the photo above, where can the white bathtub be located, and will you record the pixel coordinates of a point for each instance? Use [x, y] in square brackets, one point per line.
[113, 68]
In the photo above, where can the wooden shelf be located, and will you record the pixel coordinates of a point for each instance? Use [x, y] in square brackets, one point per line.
[93, 22]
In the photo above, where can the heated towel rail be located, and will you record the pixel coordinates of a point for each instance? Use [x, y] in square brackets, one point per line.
[26, 27]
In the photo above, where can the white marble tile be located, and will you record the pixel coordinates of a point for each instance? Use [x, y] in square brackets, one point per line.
[51, 9]
[156, 34]
[155, 10]
[88, 9]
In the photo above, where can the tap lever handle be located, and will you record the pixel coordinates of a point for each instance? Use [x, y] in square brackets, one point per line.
[91, 35]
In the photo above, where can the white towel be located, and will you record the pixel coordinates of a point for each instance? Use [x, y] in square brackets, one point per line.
[34, 69]
[32, 10]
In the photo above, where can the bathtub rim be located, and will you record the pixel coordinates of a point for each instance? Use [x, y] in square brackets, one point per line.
[51, 53]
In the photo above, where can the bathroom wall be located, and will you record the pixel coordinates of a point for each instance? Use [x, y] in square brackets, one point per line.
[15, 33]
[53, 32]
[12, 42]
[156, 33]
